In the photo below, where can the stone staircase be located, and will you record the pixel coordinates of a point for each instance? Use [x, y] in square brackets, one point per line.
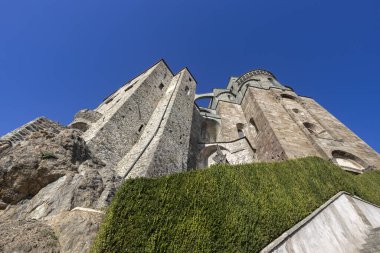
[372, 244]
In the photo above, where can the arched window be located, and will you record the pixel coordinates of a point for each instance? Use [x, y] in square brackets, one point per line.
[240, 127]
[254, 129]
[348, 161]
[212, 155]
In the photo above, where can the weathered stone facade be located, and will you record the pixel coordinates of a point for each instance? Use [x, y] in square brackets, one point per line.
[143, 129]
[153, 126]
[55, 180]
[276, 123]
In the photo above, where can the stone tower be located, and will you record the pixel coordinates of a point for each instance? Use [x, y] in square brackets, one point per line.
[256, 118]
[143, 128]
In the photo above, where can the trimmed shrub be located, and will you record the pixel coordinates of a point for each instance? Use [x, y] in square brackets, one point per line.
[224, 208]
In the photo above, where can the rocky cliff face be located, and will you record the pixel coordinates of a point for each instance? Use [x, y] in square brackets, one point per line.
[51, 192]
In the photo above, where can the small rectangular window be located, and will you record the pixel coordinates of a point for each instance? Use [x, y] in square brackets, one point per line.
[129, 87]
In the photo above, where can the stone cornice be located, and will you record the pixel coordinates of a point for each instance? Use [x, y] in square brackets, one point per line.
[252, 73]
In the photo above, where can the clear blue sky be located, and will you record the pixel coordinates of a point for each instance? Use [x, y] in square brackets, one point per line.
[57, 57]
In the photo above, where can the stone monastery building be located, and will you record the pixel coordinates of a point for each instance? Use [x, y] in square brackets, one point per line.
[152, 126]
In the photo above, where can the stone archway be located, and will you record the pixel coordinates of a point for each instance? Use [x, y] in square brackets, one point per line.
[208, 155]
[348, 161]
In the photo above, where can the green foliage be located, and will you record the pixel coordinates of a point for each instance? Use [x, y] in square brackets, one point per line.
[48, 155]
[224, 208]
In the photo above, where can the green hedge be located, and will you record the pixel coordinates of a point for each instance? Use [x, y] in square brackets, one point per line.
[224, 208]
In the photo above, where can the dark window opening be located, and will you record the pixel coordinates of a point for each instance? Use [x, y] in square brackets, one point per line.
[109, 100]
[161, 86]
[255, 130]
[296, 110]
[141, 127]
[287, 96]
[311, 128]
[187, 90]
[129, 87]
[240, 127]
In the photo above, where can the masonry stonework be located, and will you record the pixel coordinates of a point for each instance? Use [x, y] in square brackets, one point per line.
[153, 126]
[277, 124]
[59, 178]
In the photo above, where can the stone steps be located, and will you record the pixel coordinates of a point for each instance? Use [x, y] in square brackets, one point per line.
[372, 244]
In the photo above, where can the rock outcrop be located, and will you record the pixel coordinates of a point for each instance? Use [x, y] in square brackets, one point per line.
[51, 191]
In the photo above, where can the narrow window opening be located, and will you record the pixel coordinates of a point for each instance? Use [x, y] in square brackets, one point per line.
[240, 133]
[129, 87]
[254, 128]
[161, 86]
[296, 110]
[287, 96]
[141, 127]
[109, 100]
[190, 79]
[240, 127]
[311, 128]
[187, 90]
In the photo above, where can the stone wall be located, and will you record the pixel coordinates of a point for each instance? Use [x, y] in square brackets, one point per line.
[342, 137]
[231, 115]
[237, 151]
[23, 132]
[84, 119]
[126, 114]
[195, 138]
[266, 142]
[278, 124]
[61, 176]
[163, 147]
[343, 225]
